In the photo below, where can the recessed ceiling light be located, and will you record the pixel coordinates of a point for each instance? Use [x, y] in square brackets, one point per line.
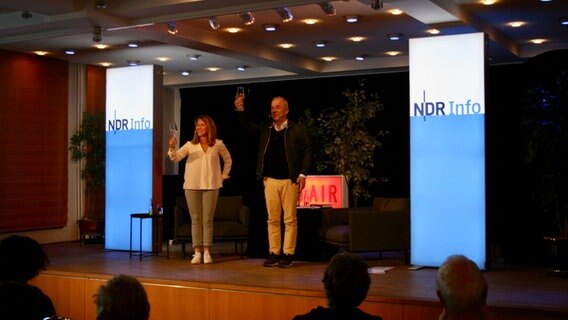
[133, 45]
[564, 21]
[433, 31]
[194, 57]
[106, 64]
[133, 62]
[163, 59]
[394, 36]
[488, 2]
[545, 0]
[538, 41]
[320, 43]
[286, 45]
[213, 69]
[185, 73]
[357, 39]
[233, 30]
[516, 24]
[351, 19]
[69, 52]
[270, 27]
[101, 46]
[393, 53]
[396, 12]
[40, 53]
[242, 68]
[328, 59]
[310, 21]
[360, 57]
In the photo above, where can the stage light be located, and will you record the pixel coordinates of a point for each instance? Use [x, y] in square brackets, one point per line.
[97, 37]
[247, 17]
[214, 23]
[284, 14]
[172, 27]
[327, 8]
[377, 4]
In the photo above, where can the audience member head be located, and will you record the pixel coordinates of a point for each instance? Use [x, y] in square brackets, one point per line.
[21, 258]
[462, 289]
[21, 301]
[346, 281]
[122, 298]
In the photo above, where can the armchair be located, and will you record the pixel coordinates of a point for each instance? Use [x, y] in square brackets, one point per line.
[385, 227]
[230, 223]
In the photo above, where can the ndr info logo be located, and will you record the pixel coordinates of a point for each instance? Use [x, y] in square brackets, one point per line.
[457, 107]
[123, 124]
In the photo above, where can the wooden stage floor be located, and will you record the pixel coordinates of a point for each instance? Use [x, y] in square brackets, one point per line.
[526, 289]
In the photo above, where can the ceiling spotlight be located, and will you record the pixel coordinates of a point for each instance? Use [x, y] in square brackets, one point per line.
[194, 57]
[133, 45]
[247, 18]
[101, 4]
[242, 68]
[133, 62]
[376, 4]
[394, 36]
[26, 14]
[284, 14]
[270, 27]
[360, 57]
[97, 34]
[320, 44]
[69, 52]
[351, 19]
[185, 73]
[327, 8]
[214, 23]
[564, 21]
[172, 27]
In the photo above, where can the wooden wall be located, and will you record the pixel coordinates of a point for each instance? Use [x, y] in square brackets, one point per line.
[72, 294]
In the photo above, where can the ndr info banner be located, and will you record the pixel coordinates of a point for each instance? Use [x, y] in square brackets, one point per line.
[447, 148]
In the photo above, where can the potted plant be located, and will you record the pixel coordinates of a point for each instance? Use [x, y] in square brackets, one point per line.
[88, 144]
[544, 127]
[348, 145]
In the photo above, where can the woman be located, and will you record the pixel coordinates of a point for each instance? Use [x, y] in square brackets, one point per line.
[203, 178]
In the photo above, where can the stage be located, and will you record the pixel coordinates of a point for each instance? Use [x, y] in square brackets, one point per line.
[241, 288]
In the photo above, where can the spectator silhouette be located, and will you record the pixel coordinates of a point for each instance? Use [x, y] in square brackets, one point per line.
[346, 282]
[21, 259]
[462, 289]
[122, 298]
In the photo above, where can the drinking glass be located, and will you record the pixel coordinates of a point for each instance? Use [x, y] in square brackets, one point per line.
[240, 92]
[173, 128]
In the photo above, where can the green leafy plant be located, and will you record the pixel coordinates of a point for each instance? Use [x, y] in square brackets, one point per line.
[89, 143]
[544, 128]
[348, 145]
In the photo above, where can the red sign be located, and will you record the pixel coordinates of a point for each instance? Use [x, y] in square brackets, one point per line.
[329, 191]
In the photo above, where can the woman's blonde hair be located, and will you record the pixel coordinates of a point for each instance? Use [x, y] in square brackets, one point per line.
[211, 130]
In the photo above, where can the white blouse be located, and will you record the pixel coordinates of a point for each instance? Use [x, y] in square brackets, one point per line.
[203, 168]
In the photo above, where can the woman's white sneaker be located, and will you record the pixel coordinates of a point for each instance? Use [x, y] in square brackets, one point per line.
[196, 258]
[207, 258]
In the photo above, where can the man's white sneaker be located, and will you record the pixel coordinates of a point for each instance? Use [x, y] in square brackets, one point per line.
[196, 258]
[207, 258]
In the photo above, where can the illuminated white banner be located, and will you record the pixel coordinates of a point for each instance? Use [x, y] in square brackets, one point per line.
[447, 148]
[129, 123]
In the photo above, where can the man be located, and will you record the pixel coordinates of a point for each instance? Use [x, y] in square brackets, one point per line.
[346, 282]
[283, 161]
[462, 289]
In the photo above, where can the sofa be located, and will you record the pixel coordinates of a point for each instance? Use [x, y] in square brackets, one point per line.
[230, 222]
[385, 226]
